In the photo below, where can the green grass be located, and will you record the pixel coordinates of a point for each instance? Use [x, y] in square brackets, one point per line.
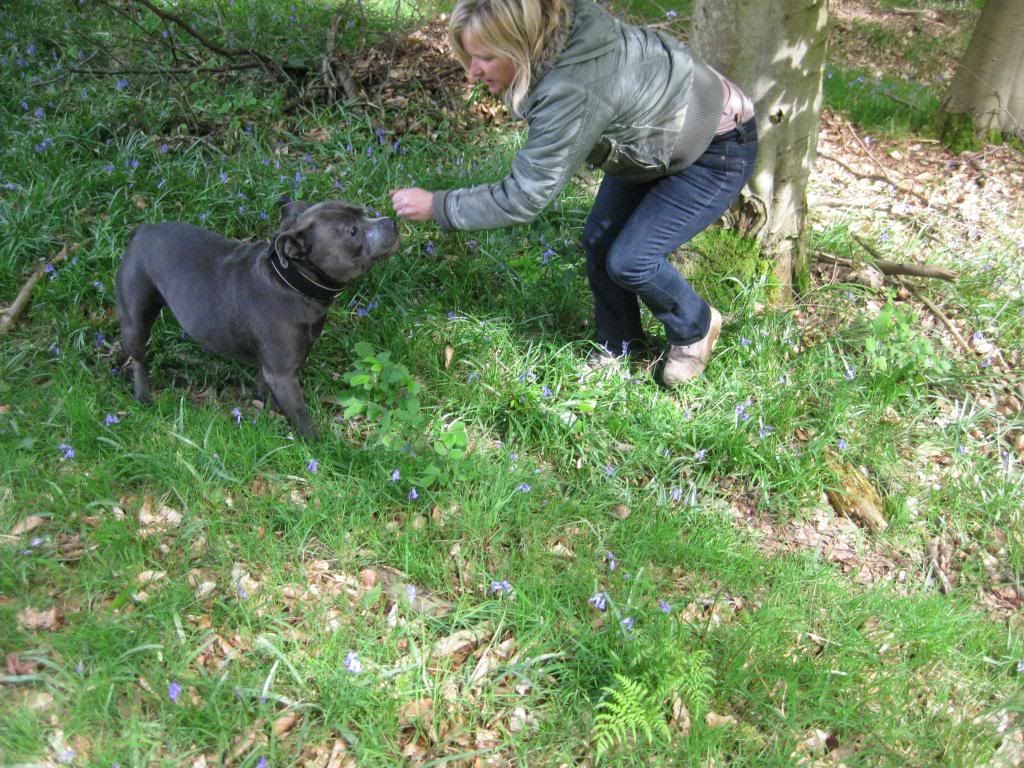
[558, 476]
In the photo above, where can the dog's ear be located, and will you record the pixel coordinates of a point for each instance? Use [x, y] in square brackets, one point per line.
[291, 245]
[291, 210]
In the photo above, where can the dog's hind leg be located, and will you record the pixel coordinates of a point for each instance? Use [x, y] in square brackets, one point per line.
[137, 310]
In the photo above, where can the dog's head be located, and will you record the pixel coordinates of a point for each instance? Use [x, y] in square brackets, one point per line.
[335, 237]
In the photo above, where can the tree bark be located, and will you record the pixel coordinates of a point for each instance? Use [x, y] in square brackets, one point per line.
[989, 83]
[776, 53]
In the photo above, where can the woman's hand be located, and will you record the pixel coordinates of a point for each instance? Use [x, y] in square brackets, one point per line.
[413, 203]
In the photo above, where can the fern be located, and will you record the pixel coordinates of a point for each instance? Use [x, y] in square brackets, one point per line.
[631, 708]
[692, 679]
[628, 710]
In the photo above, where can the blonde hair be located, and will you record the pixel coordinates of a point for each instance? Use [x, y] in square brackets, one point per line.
[518, 30]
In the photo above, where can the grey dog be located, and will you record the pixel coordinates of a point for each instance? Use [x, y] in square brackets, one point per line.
[261, 303]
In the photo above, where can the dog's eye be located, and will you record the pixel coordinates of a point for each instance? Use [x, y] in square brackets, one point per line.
[353, 231]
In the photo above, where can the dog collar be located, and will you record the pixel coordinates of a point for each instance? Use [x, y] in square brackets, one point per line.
[301, 282]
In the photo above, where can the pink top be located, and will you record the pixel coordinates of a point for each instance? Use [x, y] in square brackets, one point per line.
[737, 107]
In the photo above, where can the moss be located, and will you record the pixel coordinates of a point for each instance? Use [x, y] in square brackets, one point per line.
[724, 267]
[958, 132]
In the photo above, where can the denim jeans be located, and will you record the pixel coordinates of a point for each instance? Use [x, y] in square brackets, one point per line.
[633, 228]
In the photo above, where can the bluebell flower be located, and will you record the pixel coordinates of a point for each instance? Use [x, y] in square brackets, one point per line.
[395, 476]
[472, 377]
[627, 623]
[39, 113]
[237, 413]
[664, 607]
[352, 664]
[67, 451]
[677, 494]
[413, 494]
[765, 430]
[313, 465]
[111, 419]
[223, 176]
[174, 691]
[841, 444]
[744, 341]
[609, 557]
[850, 372]
[54, 350]
[50, 270]
[545, 391]
[121, 84]
[599, 601]
[609, 470]
[523, 488]
[670, 14]
[501, 587]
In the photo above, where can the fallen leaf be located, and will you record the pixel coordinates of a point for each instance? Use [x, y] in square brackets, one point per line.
[421, 709]
[458, 645]
[15, 666]
[715, 720]
[48, 620]
[285, 723]
[30, 523]
[153, 523]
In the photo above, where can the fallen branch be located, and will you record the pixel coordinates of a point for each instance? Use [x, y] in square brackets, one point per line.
[892, 268]
[935, 310]
[21, 300]
[267, 63]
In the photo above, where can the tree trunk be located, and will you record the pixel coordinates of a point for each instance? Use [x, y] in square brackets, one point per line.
[775, 52]
[989, 83]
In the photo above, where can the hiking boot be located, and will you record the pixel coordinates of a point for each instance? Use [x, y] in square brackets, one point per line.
[688, 361]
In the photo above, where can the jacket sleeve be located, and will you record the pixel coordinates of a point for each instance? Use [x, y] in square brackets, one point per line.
[563, 128]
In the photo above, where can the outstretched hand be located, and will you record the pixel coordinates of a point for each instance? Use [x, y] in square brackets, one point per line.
[413, 203]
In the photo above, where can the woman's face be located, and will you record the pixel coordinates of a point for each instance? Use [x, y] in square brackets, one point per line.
[493, 71]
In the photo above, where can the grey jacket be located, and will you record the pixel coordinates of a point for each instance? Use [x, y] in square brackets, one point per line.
[630, 100]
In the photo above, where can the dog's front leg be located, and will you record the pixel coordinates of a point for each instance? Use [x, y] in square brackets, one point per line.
[288, 393]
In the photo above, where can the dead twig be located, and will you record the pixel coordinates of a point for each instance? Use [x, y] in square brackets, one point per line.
[8, 318]
[935, 310]
[267, 63]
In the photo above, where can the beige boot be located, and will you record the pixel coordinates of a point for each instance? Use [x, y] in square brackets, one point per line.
[688, 361]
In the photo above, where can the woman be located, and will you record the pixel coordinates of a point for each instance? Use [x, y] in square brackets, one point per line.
[676, 141]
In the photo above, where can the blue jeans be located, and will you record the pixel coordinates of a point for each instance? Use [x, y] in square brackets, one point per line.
[633, 228]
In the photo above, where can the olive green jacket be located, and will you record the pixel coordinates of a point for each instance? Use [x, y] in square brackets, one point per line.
[632, 101]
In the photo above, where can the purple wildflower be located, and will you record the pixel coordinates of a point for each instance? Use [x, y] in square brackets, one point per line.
[313, 465]
[237, 413]
[174, 691]
[111, 419]
[67, 450]
[677, 494]
[850, 372]
[627, 623]
[223, 175]
[501, 587]
[395, 476]
[352, 663]
[599, 601]
[670, 14]
[841, 444]
[262, 762]
[700, 454]
[609, 557]
[664, 607]
[50, 270]
[121, 84]
[545, 391]
[765, 430]
[413, 494]
[523, 488]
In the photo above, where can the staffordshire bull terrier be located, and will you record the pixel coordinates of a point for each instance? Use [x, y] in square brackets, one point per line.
[261, 303]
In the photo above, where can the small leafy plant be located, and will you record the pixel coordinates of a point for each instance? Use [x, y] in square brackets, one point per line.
[639, 707]
[895, 350]
[385, 394]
